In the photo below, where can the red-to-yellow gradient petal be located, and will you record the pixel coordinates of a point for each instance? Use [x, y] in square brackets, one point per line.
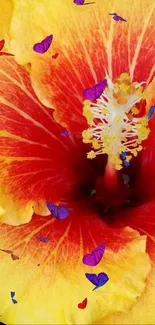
[142, 220]
[49, 293]
[88, 41]
[37, 164]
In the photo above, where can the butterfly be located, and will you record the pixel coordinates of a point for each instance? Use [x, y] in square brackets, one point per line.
[58, 212]
[83, 304]
[43, 239]
[116, 17]
[150, 112]
[55, 56]
[96, 91]
[44, 45]
[98, 280]
[95, 257]
[12, 297]
[65, 133]
[81, 2]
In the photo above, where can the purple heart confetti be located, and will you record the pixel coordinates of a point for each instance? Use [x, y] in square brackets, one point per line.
[95, 257]
[43, 239]
[96, 91]
[58, 212]
[98, 280]
[44, 45]
[82, 2]
[65, 133]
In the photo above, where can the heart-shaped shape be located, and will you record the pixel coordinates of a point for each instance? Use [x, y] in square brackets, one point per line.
[43, 239]
[96, 91]
[58, 212]
[95, 257]
[14, 257]
[65, 133]
[98, 280]
[83, 304]
[55, 56]
[2, 42]
[44, 45]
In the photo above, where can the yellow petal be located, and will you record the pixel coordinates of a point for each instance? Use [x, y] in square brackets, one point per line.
[49, 293]
[6, 7]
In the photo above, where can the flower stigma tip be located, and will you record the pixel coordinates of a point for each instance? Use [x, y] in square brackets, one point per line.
[114, 128]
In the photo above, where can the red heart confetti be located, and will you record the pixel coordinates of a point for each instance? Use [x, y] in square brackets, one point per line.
[2, 42]
[55, 55]
[83, 304]
[14, 257]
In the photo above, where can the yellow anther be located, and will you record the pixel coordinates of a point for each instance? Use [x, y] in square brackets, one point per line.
[134, 152]
[121, 149]
[140, 148]
[119, 167]
[86, 103]
[145, 94]
[95, 144]
[134, 144]
[143, 132]
[135, 110]
[124, 139]
[88, 115]
[91, 154]
[100, 124]
[124, 76]
[144, 121]
[86, 136]
[128, 158]
[105, 111]
[118, 118]
[123, 87]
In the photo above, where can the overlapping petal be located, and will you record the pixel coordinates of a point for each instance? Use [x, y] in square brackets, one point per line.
[141, 219]
[36, 163]
[5, 21]
[49, 293]
[89, 42]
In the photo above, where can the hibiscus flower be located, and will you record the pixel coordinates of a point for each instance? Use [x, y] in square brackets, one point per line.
[103, 171]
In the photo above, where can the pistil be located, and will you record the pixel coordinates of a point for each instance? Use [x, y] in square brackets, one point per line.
[114, 128]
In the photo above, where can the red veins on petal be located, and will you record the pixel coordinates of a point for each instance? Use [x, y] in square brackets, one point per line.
[37, 162]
